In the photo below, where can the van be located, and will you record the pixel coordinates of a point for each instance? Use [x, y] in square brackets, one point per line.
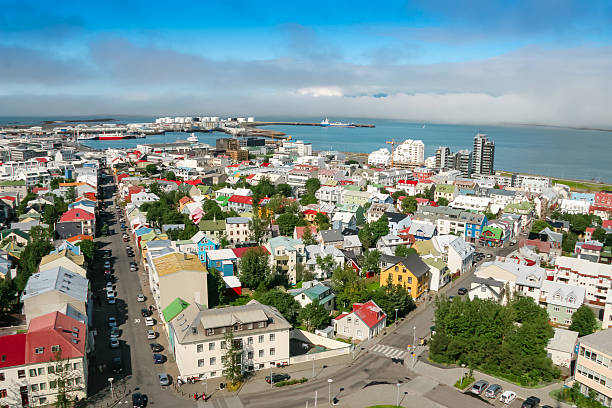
[479, 387]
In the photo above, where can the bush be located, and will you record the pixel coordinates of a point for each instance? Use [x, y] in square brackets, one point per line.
[574, 396]
[464, 382]
[290, 382]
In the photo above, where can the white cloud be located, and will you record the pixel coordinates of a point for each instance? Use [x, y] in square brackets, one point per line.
[317, 91]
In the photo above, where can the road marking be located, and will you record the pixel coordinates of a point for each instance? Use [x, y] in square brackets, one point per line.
[388, 351]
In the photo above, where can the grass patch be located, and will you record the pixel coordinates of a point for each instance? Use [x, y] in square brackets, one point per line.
[464, 382]
[373, 285]
[290, 382]
[574, 396]
[298, 285]
[582, 185]
[343, 340]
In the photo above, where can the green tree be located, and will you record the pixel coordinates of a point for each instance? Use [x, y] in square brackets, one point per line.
[23, 205]
[403, 250]
[38, 247]
[539, 225]
[490, 216]
[442, 201]
[56, 182]
[314, 316]
[326, 264]
[600, 235]
[151, 169]
[8, 295]
[409, 205]
[307, 237]
[568, 244]
[371, 261]
[70, 194]
[286, 223]
[232, 358]
[282, 301]
[312, 185]
[169, 175]
[50, 215]
[254, 268]
[584, 321]
[302, 274]
[217, 293]
[104, 229]
[87, 248]
[308, 199]
[322, 221]
[284, 190]
[263, 189]
[257, 229]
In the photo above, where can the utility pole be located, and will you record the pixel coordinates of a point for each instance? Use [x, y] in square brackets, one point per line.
[316, 398]
[398, 387]
[110, 380]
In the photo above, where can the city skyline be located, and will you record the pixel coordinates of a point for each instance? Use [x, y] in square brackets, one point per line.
[480, 62]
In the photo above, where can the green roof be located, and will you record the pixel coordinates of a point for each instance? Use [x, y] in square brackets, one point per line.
[211, 225]
[523, 205]
[445, 188]
[222, 200]
[174, 308]
[435, 262]
[352, 187]
[315, 291]
[12, 183]
[495, 232]
[5, 233]
[203, 189]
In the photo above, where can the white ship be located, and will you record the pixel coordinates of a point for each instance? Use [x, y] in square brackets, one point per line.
[327, 123]
[193, 138]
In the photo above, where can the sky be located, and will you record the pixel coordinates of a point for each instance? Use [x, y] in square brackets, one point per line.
[471, 61]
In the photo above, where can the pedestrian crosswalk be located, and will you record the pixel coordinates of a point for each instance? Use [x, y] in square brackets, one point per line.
[388, 351]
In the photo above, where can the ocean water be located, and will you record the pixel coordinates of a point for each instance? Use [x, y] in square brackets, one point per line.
[550, 151]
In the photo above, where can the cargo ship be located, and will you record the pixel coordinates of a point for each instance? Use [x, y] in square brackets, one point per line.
[327, 123]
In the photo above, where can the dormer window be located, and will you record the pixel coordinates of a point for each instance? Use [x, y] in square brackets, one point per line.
[571, 299]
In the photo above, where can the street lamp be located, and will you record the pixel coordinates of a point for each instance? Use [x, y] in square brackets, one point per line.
[462, 373]
[313, 367]
[329, 383]
[398, 387]
[110, 380]
[396, 317]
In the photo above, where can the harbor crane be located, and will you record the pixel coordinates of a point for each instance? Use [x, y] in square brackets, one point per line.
[392, 143]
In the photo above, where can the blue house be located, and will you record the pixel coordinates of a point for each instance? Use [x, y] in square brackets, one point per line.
[222, 260]
[65, 245]
[204, 244]
[474, 223]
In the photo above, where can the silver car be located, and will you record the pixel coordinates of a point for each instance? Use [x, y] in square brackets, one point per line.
[479, 387]
[164, 379]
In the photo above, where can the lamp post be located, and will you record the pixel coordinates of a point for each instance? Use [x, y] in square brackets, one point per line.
[110, 380]
[414, 346]
[462, 373]
[313, 367]
[397, 400]
[316, 398]
[396, 317]
[329, 383]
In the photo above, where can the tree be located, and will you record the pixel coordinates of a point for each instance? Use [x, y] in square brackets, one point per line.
[284, 190]
[216, 289]
[409, 205]
[307, 237]
[322, 221]
[8, 298]
[232, 358]
[282, 301]
[403, 250]
[538, 225]
[442, 201]
[254, 268]
[70, 194]
[60, 369]
[87, 248]
[308, 199]
[326, 264]
[24, 203]
[151, 169]
[104, 229]
[56, 182]
[600, 235]
[169, 175]
[286, 223]
[302, 274]
[584, 321]
[568, 244]
[38, 247]
[50, 215]
[314, 316]
[371, 261]
[263, 189]
[490, 216]
[312, 185]
[257, 229]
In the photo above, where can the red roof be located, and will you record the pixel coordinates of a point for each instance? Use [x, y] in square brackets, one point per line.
[266, 164]
[409, 182]
[80, 237]
[178, 182]
[369, 312]
[606, 224]
[42, 159]
[590, 229]
[239, 252]
[241, 199]
[299, 231]
[54, 329]
[345, 182]
[185, 200]
[591, 247]
[193, 182]
[10, 198]
[12, 350]
[309, 212]
[77, 214]
[37, 189]
[250, 176]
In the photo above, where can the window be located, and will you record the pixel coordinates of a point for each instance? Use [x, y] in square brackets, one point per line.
[34, 387]
[211, 346]
[55, 349]
[3, 393]
[261, 353]
[399, 278]
[213, 373]
[42, 386]
[32, 372]
[39, 350]
[201, 362]
[569, 310]
[261, 365]
[358, 333]
[556, 308]
[52, 384]
[213, 361]
[262, 325]
[249, 340]
[1, 376]
[41, 371]
[261, 339]
[409, 279]
[346, 329]
[222, 345]
[390, 277]
[50, 369]
[272, 337]
[199, 348]
[272, 351]
[250, 355]
[42, 400]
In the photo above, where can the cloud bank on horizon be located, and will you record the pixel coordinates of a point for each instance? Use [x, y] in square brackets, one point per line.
[475, 61]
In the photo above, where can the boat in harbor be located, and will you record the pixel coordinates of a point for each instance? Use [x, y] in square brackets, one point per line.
[193, 138]
[327, 123]
[87, 136]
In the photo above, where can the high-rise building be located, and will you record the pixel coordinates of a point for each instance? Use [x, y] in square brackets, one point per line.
[462, 161]
[484, 155]
[443, 158]
[409, 153]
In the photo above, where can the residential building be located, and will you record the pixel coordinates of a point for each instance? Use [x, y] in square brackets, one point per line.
[65, 259]
[561, 301]
[365, 321]
[409, 153]
[213, 229]
[447, 191]
[286, 253]
[561, 348]
[462, 161]
[410, 272]
[314, 291]
[596, 278]
[197, 338]
[443, 158]
[85, 218]
[593, 370]
[460, 256]
[487, 289]
[342, 220]
[380, 158]
[484, 155]
[237, 229]
[223, 260]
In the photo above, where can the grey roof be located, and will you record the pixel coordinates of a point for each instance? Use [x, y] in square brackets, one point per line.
[351, 241]
[395, 217]
[501, 192]
[562, 294]
[471, 218]
[487, 281]
[59, 279]
[237, 220]
[413, 262]
[331, 236]
[552, 235]
[462, 248]
[600, 341]
[563, 340]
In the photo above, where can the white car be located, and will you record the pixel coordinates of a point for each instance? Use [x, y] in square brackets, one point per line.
[109, 286]
[107, 265]
[151, 335]
[140, 297]
[507, 397]
[112, 322]
[111, 293]
[149, 321]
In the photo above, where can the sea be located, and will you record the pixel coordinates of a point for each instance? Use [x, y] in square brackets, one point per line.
[550, 151]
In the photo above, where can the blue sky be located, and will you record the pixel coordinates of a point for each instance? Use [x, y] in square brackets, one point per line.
[542, 61]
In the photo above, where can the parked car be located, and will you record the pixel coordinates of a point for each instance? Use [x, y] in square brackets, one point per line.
[278, 377]
[115, 333]
[112, 321]
[111, 300]
[133, 268]
[479, 387]
[125, 239]
[164, 379]
[493, 391]
[117, 365]
[107, 265]
[109, 286]
[140, 297]
[156, 347]
[130, 254]
[531, 402]
[114, 343]
[145, 312]
[151, 334]
[507, 397]
[462, 291]
[139, 400]
[158, 358]
[149, 321]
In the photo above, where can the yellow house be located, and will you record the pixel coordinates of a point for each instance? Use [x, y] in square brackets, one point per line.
[410, 272]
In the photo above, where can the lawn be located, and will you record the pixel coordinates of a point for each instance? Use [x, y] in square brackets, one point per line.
[372, 286]
[582, 185]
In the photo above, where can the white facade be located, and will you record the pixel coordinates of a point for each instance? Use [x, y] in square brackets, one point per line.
[380, 157]
[596, 278]
[411, 152]
[298, 147]
[574, 206]
[465, 202]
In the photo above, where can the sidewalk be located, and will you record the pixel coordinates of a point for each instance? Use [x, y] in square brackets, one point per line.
[450, 376]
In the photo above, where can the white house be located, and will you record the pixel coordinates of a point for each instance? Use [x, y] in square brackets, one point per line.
[364, 322]
[561, 347]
